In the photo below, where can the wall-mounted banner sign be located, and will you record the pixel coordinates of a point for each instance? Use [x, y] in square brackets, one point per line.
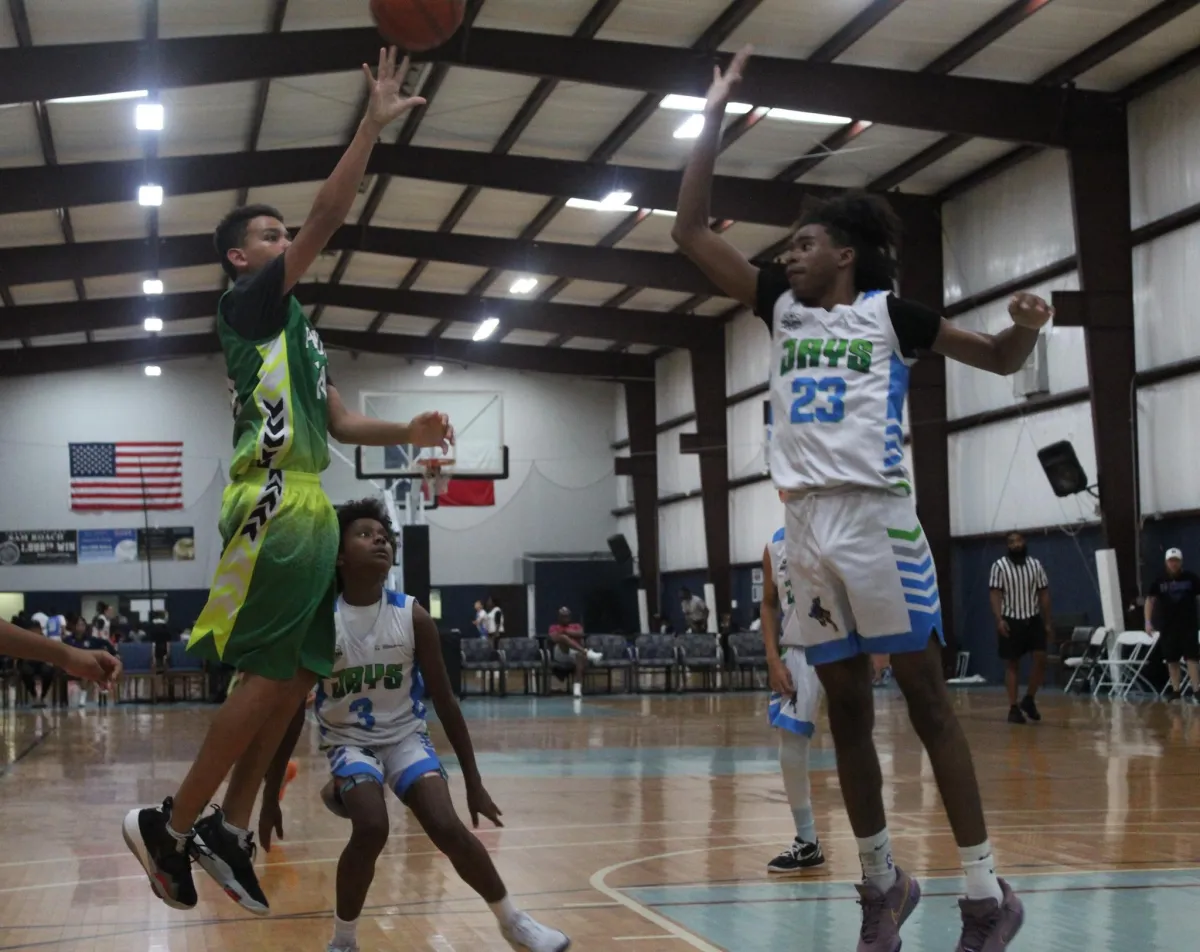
[38, 547]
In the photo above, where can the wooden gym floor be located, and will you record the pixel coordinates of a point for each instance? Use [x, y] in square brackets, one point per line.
[640, 823]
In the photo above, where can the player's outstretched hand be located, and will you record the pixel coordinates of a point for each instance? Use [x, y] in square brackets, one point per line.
[387, 103]
[480, 804]
[98, 666]
[1029, 310]
[723, 83]
[431, 429]
[270, 820]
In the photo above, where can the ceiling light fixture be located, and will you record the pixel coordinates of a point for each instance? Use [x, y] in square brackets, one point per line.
[486, 328]
[691, 127]
[434, 370]
[152, 286]
[149, 116]
[523, 285]
[150, 196]
[103, 97]
[153, 324]
[153, 371]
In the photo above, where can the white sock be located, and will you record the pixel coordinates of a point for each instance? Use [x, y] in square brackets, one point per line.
[875, 854]
[793, 764]
[979, 864]
[504, 910]
[236, 831]
[344, 933]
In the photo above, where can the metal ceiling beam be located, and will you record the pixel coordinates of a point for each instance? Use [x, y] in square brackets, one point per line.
[1103, 49]
[38, 264]
[33, 188]
[572, 320]
[948, 104]
[44, 360]
[717, 32]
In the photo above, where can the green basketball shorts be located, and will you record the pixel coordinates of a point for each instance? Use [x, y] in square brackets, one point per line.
[270, 609]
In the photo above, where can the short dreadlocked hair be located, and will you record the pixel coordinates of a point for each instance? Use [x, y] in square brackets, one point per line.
[369, 508]
[866, 223]
[231, 232]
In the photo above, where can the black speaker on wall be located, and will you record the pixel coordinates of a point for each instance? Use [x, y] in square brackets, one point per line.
[620, 550]
[1062, 469]
[415, 543]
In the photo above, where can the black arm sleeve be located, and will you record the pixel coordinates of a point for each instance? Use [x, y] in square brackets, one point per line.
[916, 326]
[772, 285]
[255, 307]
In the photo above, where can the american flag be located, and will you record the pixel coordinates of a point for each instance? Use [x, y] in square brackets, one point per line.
[113, 477]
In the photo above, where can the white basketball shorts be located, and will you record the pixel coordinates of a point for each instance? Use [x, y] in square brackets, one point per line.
[863, 575]
[797, 713]
[398, 765]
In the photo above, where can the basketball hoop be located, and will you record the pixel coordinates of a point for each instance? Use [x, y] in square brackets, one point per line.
[436, 475]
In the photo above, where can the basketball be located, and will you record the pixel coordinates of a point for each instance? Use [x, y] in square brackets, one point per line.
[418, 25]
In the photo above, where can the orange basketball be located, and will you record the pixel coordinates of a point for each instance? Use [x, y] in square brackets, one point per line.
[417, 25]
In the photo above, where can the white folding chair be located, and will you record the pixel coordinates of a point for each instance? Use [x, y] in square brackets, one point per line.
[1088, 660]
[1121, 675]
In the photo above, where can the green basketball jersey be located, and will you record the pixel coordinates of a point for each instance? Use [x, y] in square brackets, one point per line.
[279, 389]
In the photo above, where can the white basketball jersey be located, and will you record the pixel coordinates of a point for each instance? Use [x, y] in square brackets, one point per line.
[838, 385]
[790, 638]
[374, 695]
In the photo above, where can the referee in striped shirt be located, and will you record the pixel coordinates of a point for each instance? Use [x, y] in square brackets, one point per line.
[1020, 596]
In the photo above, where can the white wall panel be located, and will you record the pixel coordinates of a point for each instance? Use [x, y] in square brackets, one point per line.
[627, 526]
[559, 496]
[673, 385]
[755, 514]
[1164, 141]
[1166, 282]
[676, 473]
[747, 437]
[747, 352]
[997, 483]
[970, 391]
[620, 419]
[1168, 457]
[1008, 227]
[681, 536]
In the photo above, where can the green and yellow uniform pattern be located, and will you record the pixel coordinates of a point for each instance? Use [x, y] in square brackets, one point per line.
[270, 610]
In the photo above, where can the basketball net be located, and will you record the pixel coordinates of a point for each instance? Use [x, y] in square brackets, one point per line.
[436, 475]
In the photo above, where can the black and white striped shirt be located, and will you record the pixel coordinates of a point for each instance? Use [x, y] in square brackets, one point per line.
[1020, 585]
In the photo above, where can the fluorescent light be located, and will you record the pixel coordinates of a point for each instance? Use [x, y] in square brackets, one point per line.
[150, 195]
[791, 115]
[152, 286]
[616, 199]
[486, 328]
[153, 371]
[697, 103]
[523, 285]
[603, 206]
[691, 128]
[434, 370]
[664, 211]
[104, 97]
[153, 324]
[149, 116]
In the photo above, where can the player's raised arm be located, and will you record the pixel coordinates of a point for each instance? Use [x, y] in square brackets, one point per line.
[1004, 353]
[355, 429]
[717, 258]
[428, 645]
[386, 104]
[98, 666]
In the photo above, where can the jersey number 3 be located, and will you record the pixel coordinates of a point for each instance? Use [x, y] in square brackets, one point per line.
[362, 708]
[831, 407]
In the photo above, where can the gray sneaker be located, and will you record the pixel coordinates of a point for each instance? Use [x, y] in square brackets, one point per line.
[885, 913]
[989, 926]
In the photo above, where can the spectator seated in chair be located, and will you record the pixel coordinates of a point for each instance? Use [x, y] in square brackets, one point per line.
[86, 638]
[695, 611]
[569, 653]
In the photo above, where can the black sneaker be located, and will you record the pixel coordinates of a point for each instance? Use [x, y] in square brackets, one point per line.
[229, 859]
[797, 858]
[1015, 716]
[1170, 694]
[166, 860]
[1029, 708]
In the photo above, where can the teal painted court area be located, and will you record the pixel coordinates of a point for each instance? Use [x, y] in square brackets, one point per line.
[1128, 911]
[640, 762]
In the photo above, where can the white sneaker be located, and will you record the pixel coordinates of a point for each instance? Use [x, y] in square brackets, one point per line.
[595, 657]
[526, 934]
[577, 690]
